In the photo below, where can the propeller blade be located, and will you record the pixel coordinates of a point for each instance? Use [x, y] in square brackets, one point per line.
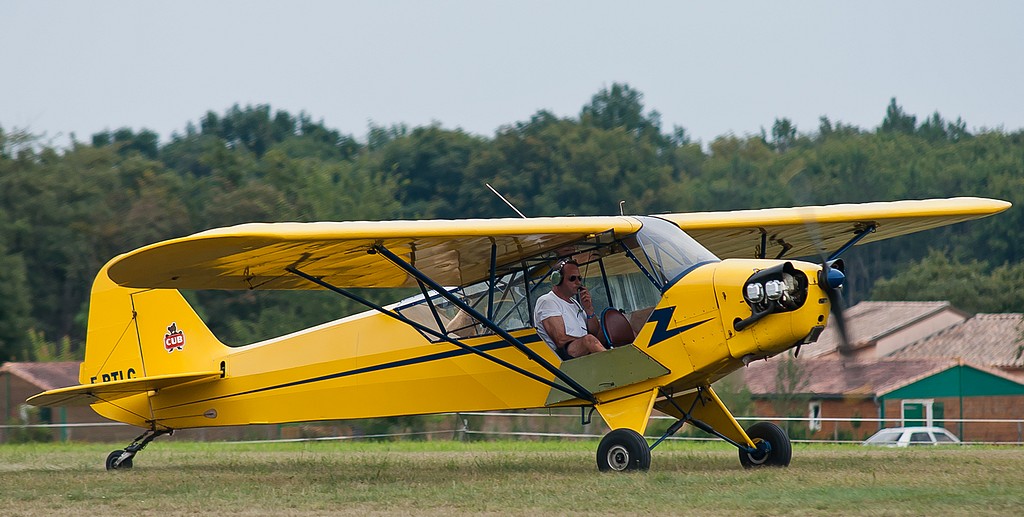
[832, 276]
[832, 280]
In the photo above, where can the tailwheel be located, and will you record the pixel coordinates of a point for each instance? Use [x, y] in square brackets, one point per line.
[122, 459]
[623, 450]
[116, 462]
[773, 447]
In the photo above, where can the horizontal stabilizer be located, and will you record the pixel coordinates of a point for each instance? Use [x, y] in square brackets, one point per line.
[86, 394]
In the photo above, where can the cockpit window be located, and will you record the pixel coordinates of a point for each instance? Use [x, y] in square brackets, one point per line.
[505, 304]
[666, 251]
[622, 273]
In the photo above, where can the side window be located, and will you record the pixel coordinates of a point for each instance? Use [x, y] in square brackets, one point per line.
[920, 438]
[610, 274]
[623, 287]
[886, 437]
[814, 416]
[507, 307]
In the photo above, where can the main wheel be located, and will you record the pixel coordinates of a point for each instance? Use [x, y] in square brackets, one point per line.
[773, 447]
[622, 450]
[113, 456]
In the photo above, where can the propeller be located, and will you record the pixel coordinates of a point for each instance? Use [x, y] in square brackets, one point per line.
[831, 278]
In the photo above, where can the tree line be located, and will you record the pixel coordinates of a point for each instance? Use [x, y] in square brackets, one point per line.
[65, 211]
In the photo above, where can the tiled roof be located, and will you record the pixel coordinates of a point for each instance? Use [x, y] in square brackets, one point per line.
[47, 376]
[867, 322]
[836, 376]
[988, 339]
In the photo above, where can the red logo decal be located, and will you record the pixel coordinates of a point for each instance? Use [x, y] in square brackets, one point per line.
[174, 339]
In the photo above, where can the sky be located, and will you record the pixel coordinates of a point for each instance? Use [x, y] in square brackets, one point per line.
[713, 68]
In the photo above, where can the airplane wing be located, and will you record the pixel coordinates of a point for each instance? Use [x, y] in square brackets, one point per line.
[800, 231]
[86, 394]
[458, 252]
[255, 255]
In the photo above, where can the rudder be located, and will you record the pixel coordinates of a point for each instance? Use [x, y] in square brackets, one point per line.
[135, 333]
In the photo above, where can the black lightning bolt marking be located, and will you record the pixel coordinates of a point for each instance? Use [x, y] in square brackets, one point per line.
[661, 318]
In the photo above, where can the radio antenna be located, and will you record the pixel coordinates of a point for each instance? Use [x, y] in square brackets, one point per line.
[513, 207]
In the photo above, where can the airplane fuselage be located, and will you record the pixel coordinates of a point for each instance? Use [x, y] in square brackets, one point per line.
[370, 365]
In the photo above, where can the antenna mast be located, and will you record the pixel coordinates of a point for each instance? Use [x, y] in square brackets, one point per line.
[496, 193]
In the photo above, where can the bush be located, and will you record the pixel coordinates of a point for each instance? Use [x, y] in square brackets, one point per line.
[25, 434]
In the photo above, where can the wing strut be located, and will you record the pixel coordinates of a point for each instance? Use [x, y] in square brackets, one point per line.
[858, 235]
[493, 281]
[580, 391]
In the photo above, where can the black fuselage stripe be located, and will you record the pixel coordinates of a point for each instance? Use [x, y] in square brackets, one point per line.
[368, 369]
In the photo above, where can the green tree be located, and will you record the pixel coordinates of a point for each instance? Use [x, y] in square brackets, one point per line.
[14, 304]
[896, 121]
[251, 127]
[430, 166]
[622, 107]
[969, 285]
[127, 141]
[783, 134]
[551, 166]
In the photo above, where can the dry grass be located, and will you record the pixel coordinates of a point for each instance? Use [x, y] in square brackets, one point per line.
[452, 478]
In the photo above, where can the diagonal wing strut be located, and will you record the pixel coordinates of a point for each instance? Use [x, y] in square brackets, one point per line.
[574, 389]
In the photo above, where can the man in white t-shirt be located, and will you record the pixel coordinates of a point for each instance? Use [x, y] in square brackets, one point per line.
[567, 323]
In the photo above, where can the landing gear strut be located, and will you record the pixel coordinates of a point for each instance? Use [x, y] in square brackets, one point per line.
[771, 446]
[122, 458]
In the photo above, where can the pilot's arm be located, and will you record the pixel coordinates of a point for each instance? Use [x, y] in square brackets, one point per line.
[574, 346]
[555, 327]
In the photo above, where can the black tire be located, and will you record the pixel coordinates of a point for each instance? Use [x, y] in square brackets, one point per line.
[623, 450]
[773, 441]
[112, 457]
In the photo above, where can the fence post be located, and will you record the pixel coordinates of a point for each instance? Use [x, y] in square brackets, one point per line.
[461, 426]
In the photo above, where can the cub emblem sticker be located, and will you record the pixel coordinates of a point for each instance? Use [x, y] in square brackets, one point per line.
[174, 339]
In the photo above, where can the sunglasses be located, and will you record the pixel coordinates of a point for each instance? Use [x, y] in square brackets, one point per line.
[573, 278]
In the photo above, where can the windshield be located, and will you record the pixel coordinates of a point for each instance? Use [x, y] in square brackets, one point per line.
[666, 251]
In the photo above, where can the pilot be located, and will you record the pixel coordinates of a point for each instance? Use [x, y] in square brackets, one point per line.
[565, 316]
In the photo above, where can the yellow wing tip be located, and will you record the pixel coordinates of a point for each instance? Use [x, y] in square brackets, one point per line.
[982, 204]
[973, 207]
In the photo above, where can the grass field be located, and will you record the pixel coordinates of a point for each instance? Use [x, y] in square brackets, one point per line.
[503, 478]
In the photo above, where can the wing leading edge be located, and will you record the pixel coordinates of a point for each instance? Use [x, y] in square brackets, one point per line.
[815, 230]
[256, 255]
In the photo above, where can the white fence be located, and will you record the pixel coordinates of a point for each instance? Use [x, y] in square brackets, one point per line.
[825, 424]
[564, 426]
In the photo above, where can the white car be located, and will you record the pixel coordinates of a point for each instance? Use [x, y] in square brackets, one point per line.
[906, 436]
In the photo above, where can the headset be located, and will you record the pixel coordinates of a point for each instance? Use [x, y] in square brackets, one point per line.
[556, 275]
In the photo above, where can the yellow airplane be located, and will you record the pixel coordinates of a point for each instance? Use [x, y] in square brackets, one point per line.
[695, 297]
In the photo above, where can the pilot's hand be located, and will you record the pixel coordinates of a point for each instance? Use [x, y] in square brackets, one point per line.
[585, 301]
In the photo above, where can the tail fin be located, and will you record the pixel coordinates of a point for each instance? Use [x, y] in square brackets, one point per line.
[137, 333]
